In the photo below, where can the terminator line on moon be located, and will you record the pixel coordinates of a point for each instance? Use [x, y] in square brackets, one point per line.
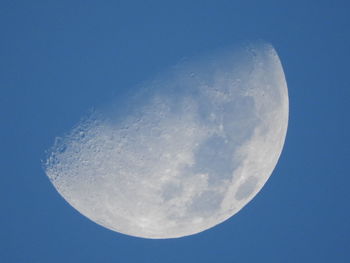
[188, 152]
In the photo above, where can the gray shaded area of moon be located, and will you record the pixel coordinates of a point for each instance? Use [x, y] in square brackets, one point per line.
[193, 148]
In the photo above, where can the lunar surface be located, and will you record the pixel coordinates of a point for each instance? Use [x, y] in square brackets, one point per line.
[187, 151]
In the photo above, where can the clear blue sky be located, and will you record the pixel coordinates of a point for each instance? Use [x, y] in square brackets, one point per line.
[58, 59]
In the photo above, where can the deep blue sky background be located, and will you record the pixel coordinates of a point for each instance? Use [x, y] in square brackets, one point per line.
[58, 59]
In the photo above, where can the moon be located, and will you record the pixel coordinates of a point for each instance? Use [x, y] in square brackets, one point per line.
[184, 153]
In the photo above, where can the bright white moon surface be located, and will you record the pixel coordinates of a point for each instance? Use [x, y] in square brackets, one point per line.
[186, 152]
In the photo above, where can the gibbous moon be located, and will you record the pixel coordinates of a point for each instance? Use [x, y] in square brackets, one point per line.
[183, 154]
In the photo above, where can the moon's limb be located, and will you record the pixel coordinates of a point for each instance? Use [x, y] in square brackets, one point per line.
[198, 148]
